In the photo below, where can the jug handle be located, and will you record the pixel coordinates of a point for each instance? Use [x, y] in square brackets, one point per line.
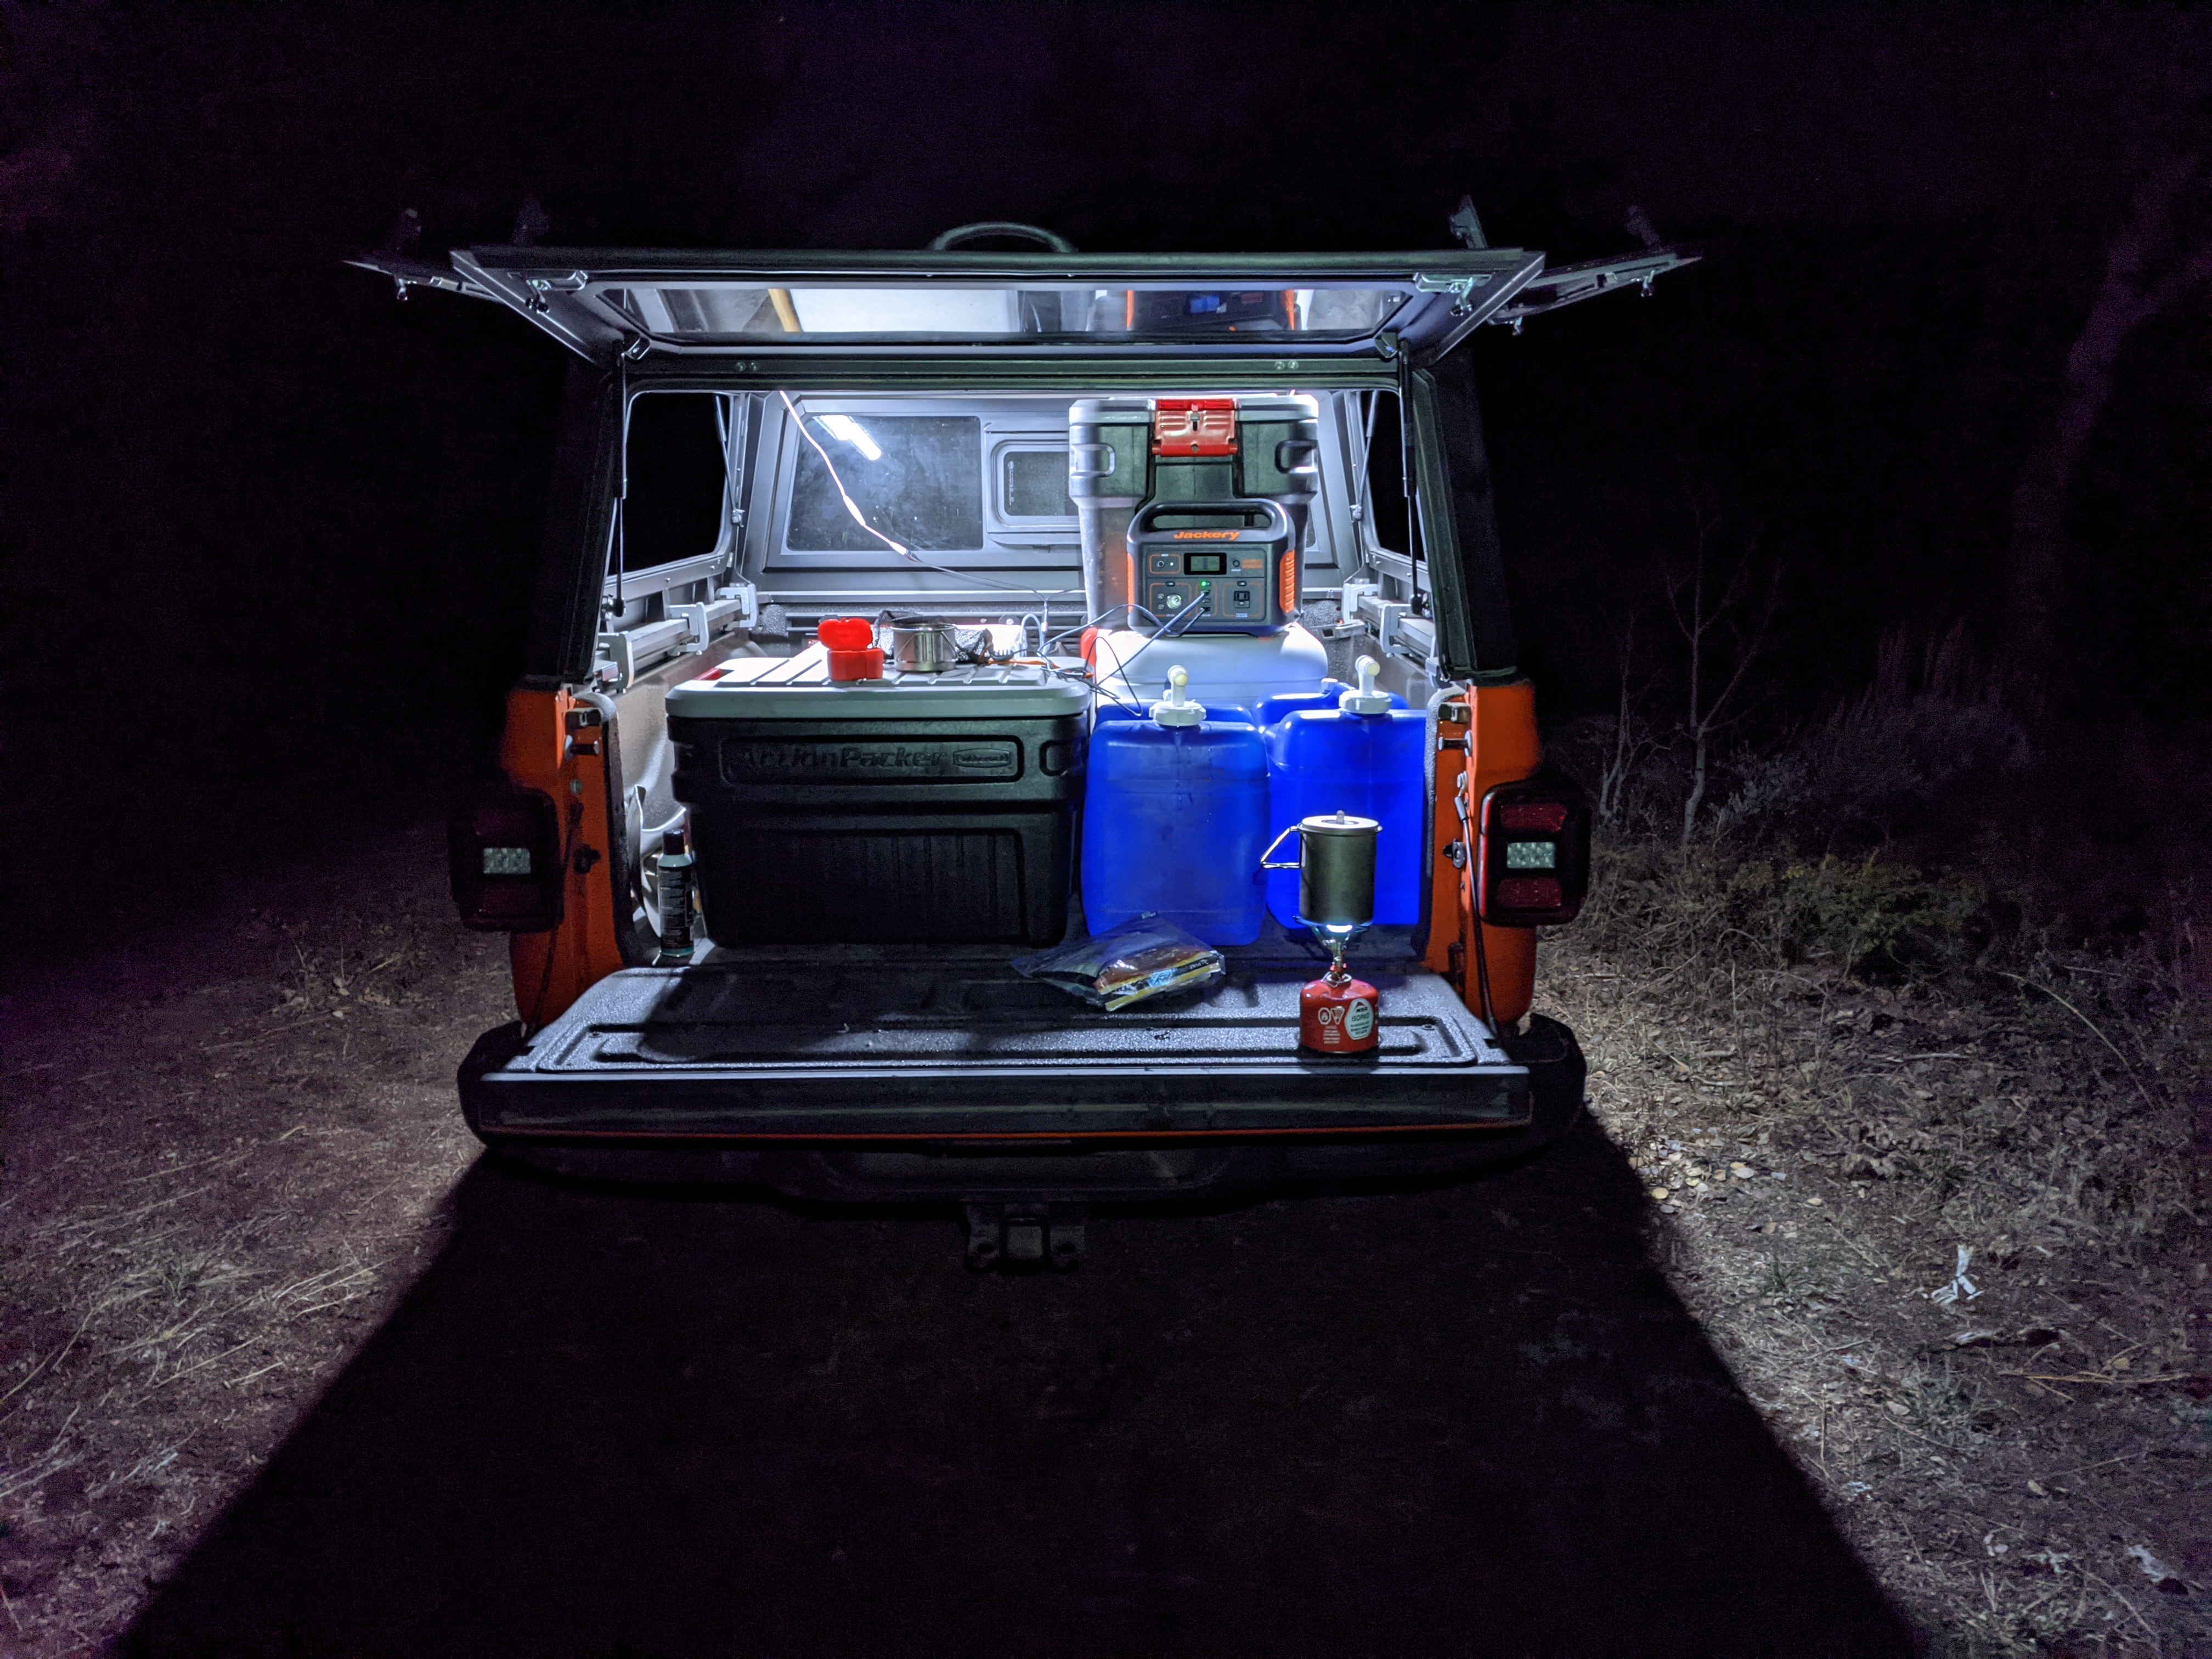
[1298, 865]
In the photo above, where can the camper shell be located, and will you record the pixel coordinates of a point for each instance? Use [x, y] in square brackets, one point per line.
[755, 443]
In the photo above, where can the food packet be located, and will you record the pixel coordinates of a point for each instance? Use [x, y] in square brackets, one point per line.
[1125, 964]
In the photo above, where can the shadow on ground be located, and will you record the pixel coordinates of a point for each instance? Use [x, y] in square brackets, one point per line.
[1451, 1421]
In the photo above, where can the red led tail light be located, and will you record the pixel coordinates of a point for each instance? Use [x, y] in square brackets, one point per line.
[1532, 852]
[1530, 893]
[503, 850]
[1543, 817]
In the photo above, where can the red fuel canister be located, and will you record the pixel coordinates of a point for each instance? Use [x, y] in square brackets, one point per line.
[1337, 1014]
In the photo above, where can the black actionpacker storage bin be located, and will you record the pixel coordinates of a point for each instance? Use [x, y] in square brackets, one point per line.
[916, 809]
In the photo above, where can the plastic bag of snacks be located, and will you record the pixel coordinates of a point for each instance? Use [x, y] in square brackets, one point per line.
[1139, 959]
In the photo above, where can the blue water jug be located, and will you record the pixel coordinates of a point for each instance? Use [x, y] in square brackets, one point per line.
[1272, 709]
[1175, 819]
[1363, 757]
[1103, 713]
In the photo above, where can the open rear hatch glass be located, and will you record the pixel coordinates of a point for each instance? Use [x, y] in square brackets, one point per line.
[603, 302]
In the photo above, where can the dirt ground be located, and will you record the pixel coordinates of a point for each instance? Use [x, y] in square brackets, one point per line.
[290, 1367]
[1954, 1251]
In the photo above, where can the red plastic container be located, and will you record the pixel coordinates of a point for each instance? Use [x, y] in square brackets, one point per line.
[851, 643]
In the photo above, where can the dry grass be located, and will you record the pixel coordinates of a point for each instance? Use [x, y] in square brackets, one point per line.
[203, 1215]
[1833, 1086]
[224, 1162]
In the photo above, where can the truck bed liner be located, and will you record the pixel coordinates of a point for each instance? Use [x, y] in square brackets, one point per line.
[933, 1044]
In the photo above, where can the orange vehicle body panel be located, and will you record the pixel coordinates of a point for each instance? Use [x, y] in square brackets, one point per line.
[551, 970]
[1501, 745]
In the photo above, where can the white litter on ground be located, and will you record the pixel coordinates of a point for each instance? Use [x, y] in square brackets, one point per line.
[1960, 1285]
[2153, 1568]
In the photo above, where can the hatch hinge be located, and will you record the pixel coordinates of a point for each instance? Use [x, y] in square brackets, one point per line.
[614, 662]
[1462, 289]
[538, 287]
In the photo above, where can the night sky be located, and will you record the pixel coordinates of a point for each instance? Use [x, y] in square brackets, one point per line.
[269, 531]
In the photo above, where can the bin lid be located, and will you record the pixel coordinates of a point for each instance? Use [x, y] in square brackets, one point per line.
[799, 688]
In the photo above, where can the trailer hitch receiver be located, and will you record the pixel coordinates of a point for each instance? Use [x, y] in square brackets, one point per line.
[1019, 1236]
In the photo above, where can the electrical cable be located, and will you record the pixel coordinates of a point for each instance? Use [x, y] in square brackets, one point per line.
[1174, 628]
[566, 843]
[1129, 613]
[1470, 878]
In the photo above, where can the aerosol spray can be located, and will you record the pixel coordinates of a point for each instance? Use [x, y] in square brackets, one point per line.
[674, 887]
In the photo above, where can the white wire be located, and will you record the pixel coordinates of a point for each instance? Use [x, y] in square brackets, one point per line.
[851, 505]
[1161, 630]
[799, 419]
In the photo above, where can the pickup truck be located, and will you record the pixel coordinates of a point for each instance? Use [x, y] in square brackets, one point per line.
[753, 444]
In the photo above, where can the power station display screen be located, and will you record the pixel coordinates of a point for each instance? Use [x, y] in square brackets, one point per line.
[1205, 564]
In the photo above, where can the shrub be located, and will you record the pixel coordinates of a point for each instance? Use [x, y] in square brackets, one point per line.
[1711, 904]
[1881, 757]
[1871, 915]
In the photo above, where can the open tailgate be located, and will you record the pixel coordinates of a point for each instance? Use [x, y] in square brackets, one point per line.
[948, 1045]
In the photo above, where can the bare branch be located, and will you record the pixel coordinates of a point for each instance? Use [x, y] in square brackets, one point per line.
[1750, 649]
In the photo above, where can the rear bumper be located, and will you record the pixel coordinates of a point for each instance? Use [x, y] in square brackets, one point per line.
[745, 1079]
[831, 1174]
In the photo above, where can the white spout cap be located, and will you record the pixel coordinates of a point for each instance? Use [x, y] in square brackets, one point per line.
[1366, 700]
[1176, 709]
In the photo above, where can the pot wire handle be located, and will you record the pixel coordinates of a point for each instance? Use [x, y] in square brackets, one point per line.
[1299, 864]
